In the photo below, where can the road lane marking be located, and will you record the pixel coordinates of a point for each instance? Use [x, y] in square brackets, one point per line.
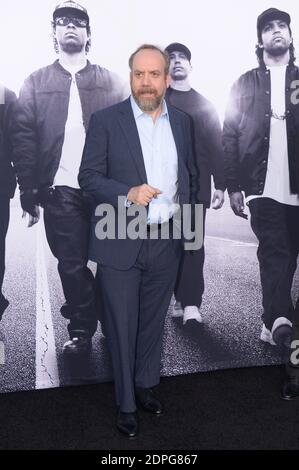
[235, 242]
[47, 375]
[2, 353]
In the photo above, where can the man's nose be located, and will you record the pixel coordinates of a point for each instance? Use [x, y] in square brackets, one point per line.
[71, 25]
[146, 80]
[276, 29]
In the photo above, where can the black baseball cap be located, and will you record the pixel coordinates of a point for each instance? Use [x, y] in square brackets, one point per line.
[270, 15]
[70, 7]
[178, 47]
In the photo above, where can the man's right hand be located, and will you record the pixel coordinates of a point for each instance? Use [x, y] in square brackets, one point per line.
[29, 202]
[237, 204]
[143, 194]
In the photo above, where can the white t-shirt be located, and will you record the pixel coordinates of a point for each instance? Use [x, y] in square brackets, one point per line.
[74, 138]
[277, 184]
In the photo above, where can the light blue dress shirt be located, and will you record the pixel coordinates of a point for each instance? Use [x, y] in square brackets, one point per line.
[160, 160]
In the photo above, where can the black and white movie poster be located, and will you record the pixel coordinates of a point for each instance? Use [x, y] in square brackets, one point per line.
[215, 44]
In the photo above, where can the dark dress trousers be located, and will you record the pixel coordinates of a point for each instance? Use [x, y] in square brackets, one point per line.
[136, 276]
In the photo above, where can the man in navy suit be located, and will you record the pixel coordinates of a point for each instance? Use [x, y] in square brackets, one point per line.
[138, 155]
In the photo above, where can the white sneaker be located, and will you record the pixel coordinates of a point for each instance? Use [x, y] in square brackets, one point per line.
[266, 336]
[282, 332]
[177, 310]
[192, 313]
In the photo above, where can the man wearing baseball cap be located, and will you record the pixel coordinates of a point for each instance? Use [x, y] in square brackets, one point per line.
[52, 117]
[261, 145]
[7, 178]
[210, 161]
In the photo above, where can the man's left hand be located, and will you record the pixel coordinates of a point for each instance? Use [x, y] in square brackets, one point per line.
[32, 220]
[218, 199]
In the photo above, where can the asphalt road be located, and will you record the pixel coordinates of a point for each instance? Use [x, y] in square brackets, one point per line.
[33, 331]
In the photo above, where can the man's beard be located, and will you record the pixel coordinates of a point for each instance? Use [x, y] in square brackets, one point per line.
[278, 50]
[71, 47]
[148, 104]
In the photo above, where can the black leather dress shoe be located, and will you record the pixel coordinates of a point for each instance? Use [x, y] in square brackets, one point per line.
[146, 399]
[127, 423]
[78, 345]
[290, 387]
[3, 306]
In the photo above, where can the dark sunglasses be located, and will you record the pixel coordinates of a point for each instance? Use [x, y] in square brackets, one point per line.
[65, 20]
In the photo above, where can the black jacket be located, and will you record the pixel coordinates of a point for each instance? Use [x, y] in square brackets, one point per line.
[246, 131]
[206, 132]
[41, 116]
[7, 174]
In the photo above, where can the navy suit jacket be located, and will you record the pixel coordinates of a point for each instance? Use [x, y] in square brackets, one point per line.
[112, 163]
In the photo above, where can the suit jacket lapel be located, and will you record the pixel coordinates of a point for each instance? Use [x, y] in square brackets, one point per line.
[128, 125]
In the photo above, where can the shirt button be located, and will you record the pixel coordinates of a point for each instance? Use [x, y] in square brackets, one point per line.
[266, 138]
[260, 191]
[261, 183]
[267, 115]
[267, 92]
[264, 162]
